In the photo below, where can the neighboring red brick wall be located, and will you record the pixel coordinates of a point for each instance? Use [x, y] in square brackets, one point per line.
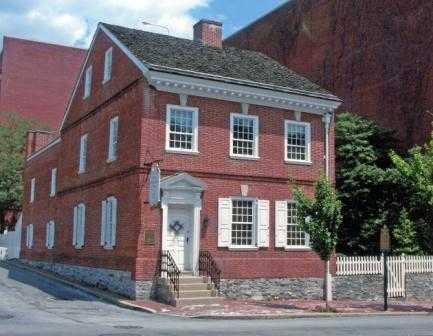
[37, 79]
[375, 55]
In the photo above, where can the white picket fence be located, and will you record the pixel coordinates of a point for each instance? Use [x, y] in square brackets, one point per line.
[10, 242]
[398, 267]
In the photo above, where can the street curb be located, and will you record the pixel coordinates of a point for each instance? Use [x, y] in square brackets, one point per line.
[308, 315]
[96, 293]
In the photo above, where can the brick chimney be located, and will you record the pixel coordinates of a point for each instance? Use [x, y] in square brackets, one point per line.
[38, 139]
[209, 32]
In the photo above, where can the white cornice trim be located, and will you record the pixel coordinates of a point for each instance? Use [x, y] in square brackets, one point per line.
[191, 86]
[43, 149]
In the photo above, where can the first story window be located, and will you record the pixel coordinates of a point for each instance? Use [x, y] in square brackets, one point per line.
[108, 222]
[243, 223]
[297, 141]
[49, 241]
[244, 135]
[79, 226]
[288, 234]
[182, 128]
[29, 236]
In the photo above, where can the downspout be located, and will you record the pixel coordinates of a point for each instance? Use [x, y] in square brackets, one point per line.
[327, 290]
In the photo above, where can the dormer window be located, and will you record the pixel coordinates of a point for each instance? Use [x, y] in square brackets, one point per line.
[87, 82]
[182, 129]
[108, 62]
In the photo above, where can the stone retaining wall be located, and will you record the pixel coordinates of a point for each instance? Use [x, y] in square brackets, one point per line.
[113, 280]
[358, 287]
[419, 286]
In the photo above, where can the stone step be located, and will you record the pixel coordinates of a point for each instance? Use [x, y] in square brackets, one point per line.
[195, 293]
[198, 301]
[191, 280]
[195, 286]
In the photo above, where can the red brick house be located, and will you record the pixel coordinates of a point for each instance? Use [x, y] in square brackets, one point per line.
[37, 78]
[225, 127]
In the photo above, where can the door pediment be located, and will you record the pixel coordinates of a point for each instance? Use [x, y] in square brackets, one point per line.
[182, 181]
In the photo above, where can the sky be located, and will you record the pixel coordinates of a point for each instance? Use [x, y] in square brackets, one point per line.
[73, 22]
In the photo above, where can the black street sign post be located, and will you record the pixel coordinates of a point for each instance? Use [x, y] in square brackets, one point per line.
[385, 248]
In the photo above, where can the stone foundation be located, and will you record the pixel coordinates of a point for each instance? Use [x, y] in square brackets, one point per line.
[358, 287]
[119, 282]
[270, 289]
[419, 286]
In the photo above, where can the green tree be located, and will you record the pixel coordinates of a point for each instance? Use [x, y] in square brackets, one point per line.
[320, 218]
[405, 236]
[367, 191]
[416, 172]
[13, 132]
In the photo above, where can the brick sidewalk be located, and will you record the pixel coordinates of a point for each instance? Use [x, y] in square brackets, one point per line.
[280, 308]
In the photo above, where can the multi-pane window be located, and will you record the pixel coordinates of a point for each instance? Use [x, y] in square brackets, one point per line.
[297, 141]
[83, 154]
[295, 236]
[108, 61]
[113, 139]
[243, 220]
[79, 226]
[29, 236]
[87, 82]
[109, 222]
[49, 242]
[53, 182]
[244, 135]
[182, 128]
[32, 189]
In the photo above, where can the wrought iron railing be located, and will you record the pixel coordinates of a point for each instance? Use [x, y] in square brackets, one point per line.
[170, 270]
[208, 267]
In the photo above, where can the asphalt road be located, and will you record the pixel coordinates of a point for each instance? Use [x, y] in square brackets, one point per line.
[32, 305]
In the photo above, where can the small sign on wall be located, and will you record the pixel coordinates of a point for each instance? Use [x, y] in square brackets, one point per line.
[149, 237]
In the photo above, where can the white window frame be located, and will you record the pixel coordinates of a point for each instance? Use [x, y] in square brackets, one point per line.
[306, 246]
[256, 136]
[113, 139]
[53, 185]
[108, 65]
[87, 82]
[194, 146]
[108, 229]
[32, 189]
[29, 236]
[82, 161]
[254, 245]
[50, 235]
[307, 141]
[79, 226]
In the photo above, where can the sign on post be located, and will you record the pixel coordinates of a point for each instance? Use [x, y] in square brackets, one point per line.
[154, 185]
[385, 244]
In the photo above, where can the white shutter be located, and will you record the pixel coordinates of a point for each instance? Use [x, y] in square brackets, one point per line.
[28, 236]
[263, 223]
[280, 223]
[224, 221]
[74, 235]
[103, 221]
[82, 225]
[113, 221]
[52, 233]
[47, 238]
[31, 236]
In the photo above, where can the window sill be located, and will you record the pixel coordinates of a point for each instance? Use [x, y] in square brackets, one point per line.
[52, 195]
[243, 248]
[111, 160]
[106, 247]
[174, 151]
[85, 97]
[300, 163]
[298, 249]
[81, 172]
[240, 157]
[106, 81]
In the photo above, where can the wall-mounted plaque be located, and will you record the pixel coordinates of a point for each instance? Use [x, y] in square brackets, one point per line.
[149, 237]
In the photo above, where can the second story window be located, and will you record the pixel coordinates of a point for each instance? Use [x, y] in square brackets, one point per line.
[49, 239]
[87, 82]
[297, 141]
[83, 154]
[53, 185]
[244, 136]
[108, 61]
[32, 189]
[29, 236]
[113, 139]
[182, 129]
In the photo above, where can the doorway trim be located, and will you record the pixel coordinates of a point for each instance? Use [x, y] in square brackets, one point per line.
[184, 189]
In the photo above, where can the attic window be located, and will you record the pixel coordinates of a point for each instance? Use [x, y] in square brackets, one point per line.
[87, 82]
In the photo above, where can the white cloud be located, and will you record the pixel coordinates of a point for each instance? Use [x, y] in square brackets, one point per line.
[72, 22]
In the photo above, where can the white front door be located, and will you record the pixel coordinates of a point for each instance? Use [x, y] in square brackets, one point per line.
[180, 235]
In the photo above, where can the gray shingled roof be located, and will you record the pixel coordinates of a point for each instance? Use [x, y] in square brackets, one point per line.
[173, 52]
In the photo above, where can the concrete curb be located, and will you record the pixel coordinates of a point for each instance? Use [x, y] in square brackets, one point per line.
[92, 291]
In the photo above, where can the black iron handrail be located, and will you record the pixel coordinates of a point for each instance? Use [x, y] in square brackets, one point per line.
[170, 269]
[208, 267]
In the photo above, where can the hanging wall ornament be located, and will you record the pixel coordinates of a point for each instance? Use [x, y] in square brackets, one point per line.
[176, 226]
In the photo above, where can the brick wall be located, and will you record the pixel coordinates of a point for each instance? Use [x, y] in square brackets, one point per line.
[375, 55]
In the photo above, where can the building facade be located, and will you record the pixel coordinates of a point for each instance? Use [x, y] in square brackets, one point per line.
[36, 79]
[372, 54]
[226, 129]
